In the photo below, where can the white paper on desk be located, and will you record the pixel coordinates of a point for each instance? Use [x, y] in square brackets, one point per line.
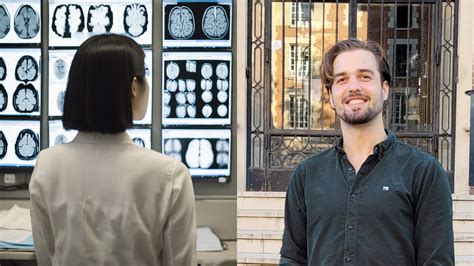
[207, 240]
[16, 218]
[13, 236]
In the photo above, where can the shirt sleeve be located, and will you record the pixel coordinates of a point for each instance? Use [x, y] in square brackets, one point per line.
[43, 238]
[179, 247]
[293, 250]
[434, 241]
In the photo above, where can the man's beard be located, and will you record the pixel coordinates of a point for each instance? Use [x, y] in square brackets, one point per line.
[360, 119]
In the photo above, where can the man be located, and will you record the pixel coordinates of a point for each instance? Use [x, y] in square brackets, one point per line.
[369, 200]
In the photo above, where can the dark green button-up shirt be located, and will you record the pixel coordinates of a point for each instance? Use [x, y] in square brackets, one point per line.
[397, 210]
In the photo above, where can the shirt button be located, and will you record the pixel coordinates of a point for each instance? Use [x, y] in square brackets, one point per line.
[353, 196]
[350, 227]
[349, 260]
[350, 169]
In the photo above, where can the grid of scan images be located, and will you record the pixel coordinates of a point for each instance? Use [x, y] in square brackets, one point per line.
[20, 82]
[71, 23]
[197, 85]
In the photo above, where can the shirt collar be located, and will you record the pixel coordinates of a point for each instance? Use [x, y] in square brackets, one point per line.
[99, 138]
[379, 149]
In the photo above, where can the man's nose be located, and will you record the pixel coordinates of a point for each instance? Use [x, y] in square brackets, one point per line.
[353, 84]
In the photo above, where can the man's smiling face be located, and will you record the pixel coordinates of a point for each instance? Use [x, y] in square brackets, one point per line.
[357, 93]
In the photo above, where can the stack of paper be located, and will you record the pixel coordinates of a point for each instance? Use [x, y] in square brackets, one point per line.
[207, 240]
[15, 229]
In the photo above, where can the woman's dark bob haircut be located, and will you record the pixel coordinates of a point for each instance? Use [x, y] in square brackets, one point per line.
[98, 94]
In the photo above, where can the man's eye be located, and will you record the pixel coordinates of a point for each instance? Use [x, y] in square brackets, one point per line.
[366, 77]
[340, 80]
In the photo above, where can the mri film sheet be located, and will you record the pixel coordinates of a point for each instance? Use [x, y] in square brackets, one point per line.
[59, 65]
[20, 22]
[196, 88]
[205, 152]
[58, 135]
[19, 143]
[73, 22]
[191, 23]
[20, 81]
[140, 136]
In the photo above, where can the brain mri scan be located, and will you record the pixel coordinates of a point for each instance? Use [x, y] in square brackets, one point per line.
[166, 110]
[191, 66]
[222, 71]
[173, 148]
[27, 145]
[60, 100]
[26, 22]
[207, 111]
[99, 19]
[206, 84]
[222, 84]
[222, 110]
[171, 85]
[190, 85]
[60, 68]
[199, 154]
[3, 145]
[180, 98]
[191, 97]
[25, 99]
[191, 110]
[206, 96]
[3, 98]
[222, 157]
[215, 22]
[181, 22]
[135, 19]
[3, 69]
[166, 97]
[139, 142]
[181, 85]
[26, 69]
[206, 70]
[60, 139]
[68, 20]
[172, 70]
[181, 111]
[222, 96]
[4, 21]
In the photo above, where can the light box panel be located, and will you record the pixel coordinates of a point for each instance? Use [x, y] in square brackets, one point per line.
[20, 22]
[19, 143]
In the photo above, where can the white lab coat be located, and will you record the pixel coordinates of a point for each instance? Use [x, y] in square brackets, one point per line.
[101, 200]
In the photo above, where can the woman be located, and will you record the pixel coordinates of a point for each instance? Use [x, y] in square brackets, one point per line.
[100, 199]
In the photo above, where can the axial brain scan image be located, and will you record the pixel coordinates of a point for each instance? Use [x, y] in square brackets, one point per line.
[3, 69]
[60, 68]
[215, 22]
[222, 148]
[139, 142]
[60, 100]
[68, 20]
[4, 21]
[181, 22]
[173, 148]
[100, 19]
[3, 145]
[25, 99]
[3, 98]
[26, 22]
[60, 139]
[172, 70]
[135, 19]
[206, 70]
[27, 145]
[26, 69]
[199, 154]
[222, 71]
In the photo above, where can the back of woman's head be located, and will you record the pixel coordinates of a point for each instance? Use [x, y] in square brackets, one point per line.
[98, 93]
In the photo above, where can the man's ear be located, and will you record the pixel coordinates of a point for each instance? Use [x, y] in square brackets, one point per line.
[385, 89]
